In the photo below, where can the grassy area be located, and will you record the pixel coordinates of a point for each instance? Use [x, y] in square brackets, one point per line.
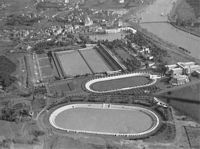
[72, 63]
[6, 65]
[95, 60]
[120, 83]
[185, 99]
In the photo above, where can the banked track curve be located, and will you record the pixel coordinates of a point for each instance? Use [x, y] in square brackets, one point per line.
[121, 76]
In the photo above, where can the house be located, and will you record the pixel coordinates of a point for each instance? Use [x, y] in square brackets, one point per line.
[88, 21]
[121, 1]
[179, 80]
[182, 68]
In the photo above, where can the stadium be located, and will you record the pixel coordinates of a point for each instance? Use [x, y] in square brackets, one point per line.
[90, 60]
[120, 82]
[120, 120]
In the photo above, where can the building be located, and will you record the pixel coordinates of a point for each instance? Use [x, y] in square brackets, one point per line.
[88, 21]
[66, 1]
[185, 68]
[179, 80]
[121, 1]
[176, 71]
[117, 30]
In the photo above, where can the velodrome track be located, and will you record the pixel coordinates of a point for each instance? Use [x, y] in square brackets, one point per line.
[89, 84]
[138, 126]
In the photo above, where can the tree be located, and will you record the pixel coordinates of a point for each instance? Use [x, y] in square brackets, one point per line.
[6, 80]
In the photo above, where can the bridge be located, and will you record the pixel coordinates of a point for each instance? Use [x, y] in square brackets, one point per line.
[152, 22]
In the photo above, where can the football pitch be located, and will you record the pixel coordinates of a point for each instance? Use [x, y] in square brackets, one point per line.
[83, 61]
[72, 63]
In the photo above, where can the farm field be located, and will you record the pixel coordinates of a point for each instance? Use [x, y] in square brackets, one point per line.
[95, 61]
[72, 63]
[120, 83]
[91, 118]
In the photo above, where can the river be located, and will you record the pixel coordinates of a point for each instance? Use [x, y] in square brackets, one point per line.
[166, 31]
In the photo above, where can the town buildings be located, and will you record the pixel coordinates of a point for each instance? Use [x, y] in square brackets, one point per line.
[182, 68]
[181, 71]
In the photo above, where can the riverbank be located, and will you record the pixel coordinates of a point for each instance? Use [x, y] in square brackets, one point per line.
[157, 14]
[186, 30]
[172, 21]
[174, 52]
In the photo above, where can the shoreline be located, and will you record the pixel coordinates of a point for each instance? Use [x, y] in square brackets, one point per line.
[162, 32]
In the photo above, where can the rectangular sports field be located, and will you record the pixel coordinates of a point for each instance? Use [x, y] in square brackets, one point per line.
[95, 60]
[83, 61]
[72, 63]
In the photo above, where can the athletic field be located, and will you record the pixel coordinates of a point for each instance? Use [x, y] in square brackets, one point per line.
[83, 61]
[95, 61]
[119, 82]
[104, 119]
[72, 63]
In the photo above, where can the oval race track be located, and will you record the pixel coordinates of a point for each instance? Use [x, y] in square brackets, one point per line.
[106, 119]
[120, 82]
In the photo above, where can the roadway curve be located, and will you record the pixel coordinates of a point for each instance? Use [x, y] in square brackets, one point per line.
[89, 83]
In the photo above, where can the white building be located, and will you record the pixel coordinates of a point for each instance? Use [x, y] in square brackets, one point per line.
[182, 68]
[179, 80]
[121, 1]
[88, 21]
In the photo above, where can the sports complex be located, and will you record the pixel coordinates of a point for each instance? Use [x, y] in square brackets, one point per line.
[109, 119]
[88, 60]
[114, 117]
[105, 119]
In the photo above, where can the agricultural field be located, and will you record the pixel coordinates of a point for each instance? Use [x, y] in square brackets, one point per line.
[120, 83]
